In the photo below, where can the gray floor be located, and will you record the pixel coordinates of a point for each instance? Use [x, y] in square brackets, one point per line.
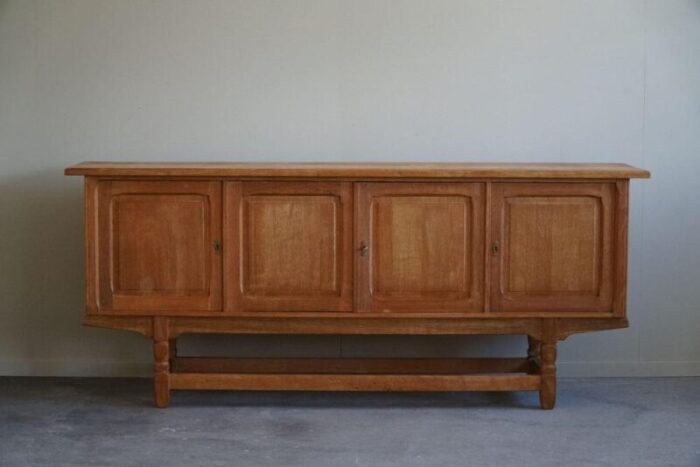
[597, 422]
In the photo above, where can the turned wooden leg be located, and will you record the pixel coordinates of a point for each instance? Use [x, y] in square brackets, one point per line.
[533, 354]
[548, 390]
[548, 364]
[161, 367]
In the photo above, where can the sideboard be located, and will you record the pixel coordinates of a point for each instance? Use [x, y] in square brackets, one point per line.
[533, 249]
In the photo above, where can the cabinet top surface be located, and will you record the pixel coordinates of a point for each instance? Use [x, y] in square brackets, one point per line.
[357, 170]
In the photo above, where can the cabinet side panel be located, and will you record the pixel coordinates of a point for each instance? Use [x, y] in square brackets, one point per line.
[91, 233]
[621, 235]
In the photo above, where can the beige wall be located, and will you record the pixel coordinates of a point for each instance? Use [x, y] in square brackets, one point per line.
[345, 80]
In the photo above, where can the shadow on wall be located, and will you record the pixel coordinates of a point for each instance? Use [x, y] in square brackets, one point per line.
[42, 281]
[353, 346]
[41, 264]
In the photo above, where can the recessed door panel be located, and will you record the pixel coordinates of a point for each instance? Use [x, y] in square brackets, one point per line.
[294, 246]
[420, 247]
[552, 247]
[159, 246]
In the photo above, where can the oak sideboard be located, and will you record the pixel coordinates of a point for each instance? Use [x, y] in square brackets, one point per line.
[533, 249]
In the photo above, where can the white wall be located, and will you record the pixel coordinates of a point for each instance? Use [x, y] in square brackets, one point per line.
[339, 80]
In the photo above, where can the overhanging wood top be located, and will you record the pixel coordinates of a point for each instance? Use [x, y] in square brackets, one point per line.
[357, 170]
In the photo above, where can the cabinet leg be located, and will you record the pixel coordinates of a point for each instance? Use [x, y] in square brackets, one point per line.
[548, 390]
[161, 367]
[548, 364]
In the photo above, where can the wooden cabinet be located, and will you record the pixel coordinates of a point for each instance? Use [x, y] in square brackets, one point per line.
[420, 247]
[533, 249]
[290, 246]
[157, 246]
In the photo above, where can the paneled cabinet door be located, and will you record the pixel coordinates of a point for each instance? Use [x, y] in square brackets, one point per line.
[288, 246]
[159, 246]
[553, 247]
[419, 247]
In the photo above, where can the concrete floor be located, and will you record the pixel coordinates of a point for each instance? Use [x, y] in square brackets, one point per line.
[597, 422]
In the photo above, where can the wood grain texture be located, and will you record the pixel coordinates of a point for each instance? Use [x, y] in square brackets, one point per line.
[161, 362]
[360, 170]
[553, 247]
[548, 359]
[353, 382]
[156, 246]
[488, 216]
[295, 246]
[358, 325]
[424, 247]
[620, 254]
[232, 246]
[91, 214]
[412, 324]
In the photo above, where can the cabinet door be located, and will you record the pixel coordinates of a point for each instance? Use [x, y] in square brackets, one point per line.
[553, 247]
[291, 246]
[158, 246]
[420, 247]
